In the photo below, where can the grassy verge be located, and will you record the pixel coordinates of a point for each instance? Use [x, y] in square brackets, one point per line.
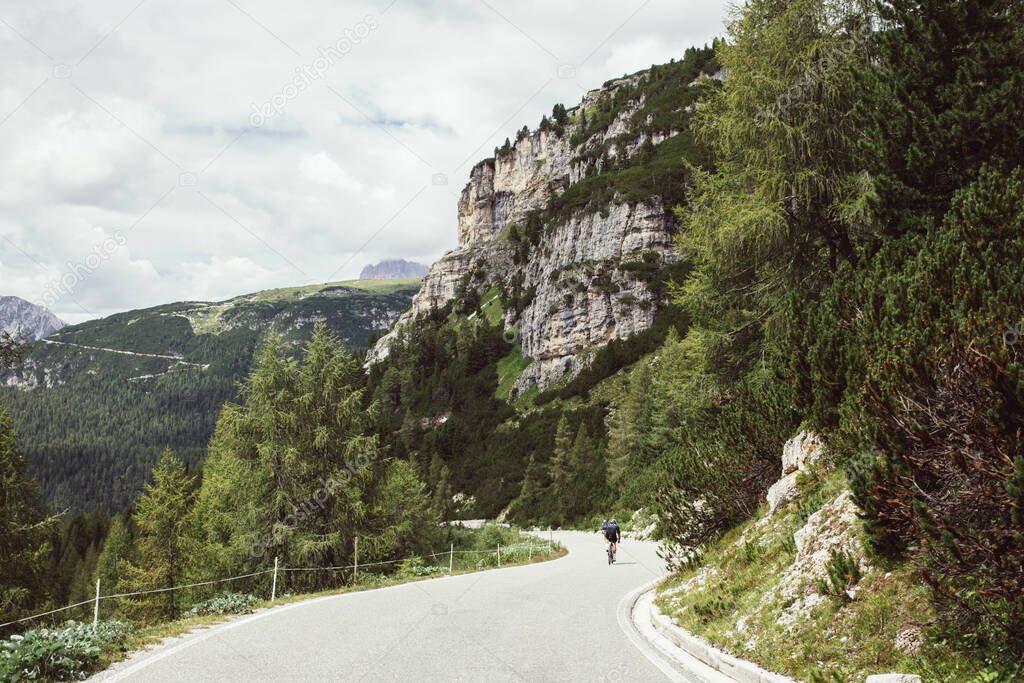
[732, 599]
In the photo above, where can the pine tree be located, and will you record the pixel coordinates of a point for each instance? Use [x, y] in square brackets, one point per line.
[24, 531]
[558, 465]
[118, 550]
[291, 473]
[434, 474]
[329, 454]
[163, 518]
[403, 514]
[526, 506]
[443, 494]
[12, 350]
[791, 196]
[230, 505]
[585, 489]
[948, 91]
[559, 114]
[630, 424]
[83, 586]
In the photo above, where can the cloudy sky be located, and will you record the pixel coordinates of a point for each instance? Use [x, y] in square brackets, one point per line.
[163, 150]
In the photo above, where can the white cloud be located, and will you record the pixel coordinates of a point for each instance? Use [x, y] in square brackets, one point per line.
[321, 168]
[105, 131]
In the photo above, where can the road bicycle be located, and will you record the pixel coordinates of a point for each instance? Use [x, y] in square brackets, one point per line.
[611, 554]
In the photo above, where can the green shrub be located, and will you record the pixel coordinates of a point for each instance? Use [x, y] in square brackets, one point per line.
[817, 675]
[224, 603]
[932, 435]
[843, 573]
[712, 608]
[415, 566]
[752, 551]
[67, 653]
[490, 536]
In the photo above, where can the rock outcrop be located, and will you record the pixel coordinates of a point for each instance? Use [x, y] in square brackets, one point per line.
[799, 454]
[583, 298]
[833, 528]
[573, 266]
[18, 316]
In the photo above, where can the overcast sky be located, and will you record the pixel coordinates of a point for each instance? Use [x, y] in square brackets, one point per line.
[167, 150]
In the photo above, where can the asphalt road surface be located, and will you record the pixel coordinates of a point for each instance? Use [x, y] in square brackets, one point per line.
[554, 621]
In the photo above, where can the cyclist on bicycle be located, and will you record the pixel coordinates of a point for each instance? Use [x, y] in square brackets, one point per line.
[612, 535]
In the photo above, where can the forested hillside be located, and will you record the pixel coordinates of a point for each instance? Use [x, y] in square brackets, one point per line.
[97, 403]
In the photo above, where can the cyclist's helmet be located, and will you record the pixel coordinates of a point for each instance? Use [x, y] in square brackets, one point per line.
[613, 520]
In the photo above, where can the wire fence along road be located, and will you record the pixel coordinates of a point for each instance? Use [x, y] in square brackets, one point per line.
[276, 570]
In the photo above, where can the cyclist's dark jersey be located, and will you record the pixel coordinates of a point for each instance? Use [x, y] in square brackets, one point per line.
[611, 532]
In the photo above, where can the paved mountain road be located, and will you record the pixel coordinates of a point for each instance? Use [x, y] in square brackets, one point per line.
[553, 621]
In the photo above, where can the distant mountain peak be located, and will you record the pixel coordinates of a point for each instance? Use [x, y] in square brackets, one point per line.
[20, 316]
[393, 269]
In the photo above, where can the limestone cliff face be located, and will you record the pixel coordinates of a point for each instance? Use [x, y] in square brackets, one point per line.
[576, 273]
[583, 298]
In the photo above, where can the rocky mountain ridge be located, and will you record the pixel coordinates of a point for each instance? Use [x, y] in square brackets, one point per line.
[393, 269]
[567, 224]
[18, 316]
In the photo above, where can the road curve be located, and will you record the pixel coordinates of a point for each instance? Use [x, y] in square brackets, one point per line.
[553, 621]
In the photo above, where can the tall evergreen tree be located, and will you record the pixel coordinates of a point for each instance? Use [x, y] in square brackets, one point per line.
[24, 531]
[527, 505]
[443, 494]
[117, 552]
[293, 472]
[585, 489]
[789, 198]
[12, 349]
[630, 425]
[558, 466]
[948, 89]
[400, 519]
[163, 517]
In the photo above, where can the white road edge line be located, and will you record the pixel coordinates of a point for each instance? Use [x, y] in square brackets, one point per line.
[624, 615]
[634, 619]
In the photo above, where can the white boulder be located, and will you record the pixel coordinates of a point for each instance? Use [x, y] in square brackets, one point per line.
[835, 527]
[801, 452]
[781, 492]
